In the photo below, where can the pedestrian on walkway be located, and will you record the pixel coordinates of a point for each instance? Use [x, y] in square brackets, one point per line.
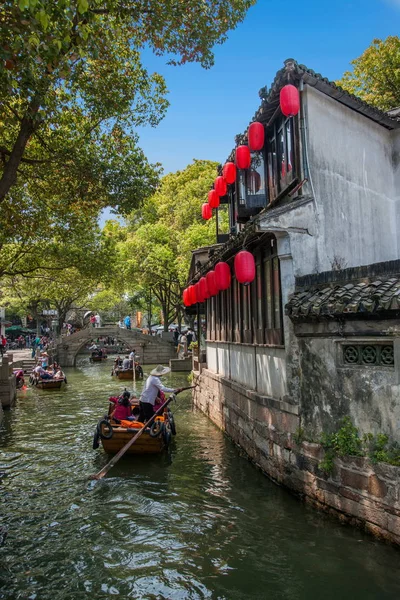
[127, 321]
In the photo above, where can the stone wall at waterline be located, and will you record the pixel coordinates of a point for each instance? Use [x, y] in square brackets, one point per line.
[8, 390]
[357, 491]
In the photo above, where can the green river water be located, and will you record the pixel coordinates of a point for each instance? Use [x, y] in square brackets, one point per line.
[198, 522]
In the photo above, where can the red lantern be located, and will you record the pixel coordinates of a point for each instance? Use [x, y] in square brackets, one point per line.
[222, 275]
[211, 283]
[206, 211]
[289, 100]
[220, 186]
[192, 295]
[245, 268]
[204, 288]
[185, 297]
[256, 136]
[243, 158]
[199, 295]
[213, 199]
[229, 172]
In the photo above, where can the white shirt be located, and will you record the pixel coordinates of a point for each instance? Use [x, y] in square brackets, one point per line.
[126, 363]
[132, 355]
[153, 384]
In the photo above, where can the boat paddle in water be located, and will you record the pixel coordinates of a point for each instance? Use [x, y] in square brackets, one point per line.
[116, 458]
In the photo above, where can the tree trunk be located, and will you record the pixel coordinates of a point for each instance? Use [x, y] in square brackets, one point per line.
[28, 125]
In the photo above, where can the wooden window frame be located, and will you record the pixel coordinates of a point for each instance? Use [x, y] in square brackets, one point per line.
[282, 182]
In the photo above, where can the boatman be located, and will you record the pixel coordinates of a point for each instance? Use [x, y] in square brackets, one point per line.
[149, 395]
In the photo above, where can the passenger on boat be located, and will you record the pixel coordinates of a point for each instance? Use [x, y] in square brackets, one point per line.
[58, 374]
[126, 363]
[123, 408]
[152, 388]
[42, 373]
[118, 362]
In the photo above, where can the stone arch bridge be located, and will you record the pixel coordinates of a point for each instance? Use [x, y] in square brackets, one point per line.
[151, 349]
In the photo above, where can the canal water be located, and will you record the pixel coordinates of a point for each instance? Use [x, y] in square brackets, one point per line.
[198, 522]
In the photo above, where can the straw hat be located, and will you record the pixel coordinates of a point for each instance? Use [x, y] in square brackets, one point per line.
[160, 370]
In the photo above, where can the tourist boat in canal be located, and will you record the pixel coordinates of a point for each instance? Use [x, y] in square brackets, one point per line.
[50, 384]
[127, 374]
[115, 434]
[98, 356]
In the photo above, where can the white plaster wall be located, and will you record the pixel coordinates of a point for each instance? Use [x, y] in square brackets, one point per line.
[258, 368]
[243, 367]
[351, 164]
[223, 360]
[271, 372]
[212, 356]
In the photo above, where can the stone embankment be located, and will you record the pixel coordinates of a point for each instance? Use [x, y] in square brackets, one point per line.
[357, 491]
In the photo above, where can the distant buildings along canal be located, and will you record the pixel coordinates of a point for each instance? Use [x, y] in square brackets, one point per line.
[311, 346]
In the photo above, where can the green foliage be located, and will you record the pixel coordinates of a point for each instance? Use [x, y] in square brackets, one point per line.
[347, 442]
[380, 449]
[71, 74]
[376, 74]
[344, 442]
[156, 253]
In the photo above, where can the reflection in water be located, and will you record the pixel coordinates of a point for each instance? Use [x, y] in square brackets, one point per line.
[197, 522]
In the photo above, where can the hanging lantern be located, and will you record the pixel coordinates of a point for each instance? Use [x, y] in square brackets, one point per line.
[213, 199]
[211, 283]
[229, 172]
[256, 136]
[243, 158]
[206, 211]
[203, 287]
[185, 297]
[199, 292]
[220, 186]
[245, 268]
[192, 295]
[289, 100]
[222, 276]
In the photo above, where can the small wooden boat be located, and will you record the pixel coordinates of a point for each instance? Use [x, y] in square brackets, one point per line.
[125, 374]
[95, 357]
[49, 384]
[154, 439]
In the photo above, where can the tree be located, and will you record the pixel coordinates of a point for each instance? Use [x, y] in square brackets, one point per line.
[72, 72]
[375, 77]
[160, 236]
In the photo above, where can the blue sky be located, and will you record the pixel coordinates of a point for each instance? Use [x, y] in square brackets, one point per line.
[209, 107]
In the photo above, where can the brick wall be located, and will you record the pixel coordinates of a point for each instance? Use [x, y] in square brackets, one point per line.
[357, 491]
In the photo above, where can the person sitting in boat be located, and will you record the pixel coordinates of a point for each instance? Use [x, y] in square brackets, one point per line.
[123, 408]
[126, 363]
[150, 393]
[118, 362]
[43, 373]
[58, 374]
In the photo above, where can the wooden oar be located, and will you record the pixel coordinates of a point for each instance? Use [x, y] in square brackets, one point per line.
[116, 458]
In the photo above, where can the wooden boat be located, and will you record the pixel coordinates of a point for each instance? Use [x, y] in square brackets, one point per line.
[49, 384]
[153, 440]
[98, 357]
[125, 374]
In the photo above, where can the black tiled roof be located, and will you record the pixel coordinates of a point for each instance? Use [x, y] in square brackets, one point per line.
[292, 73]
[353, 298]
